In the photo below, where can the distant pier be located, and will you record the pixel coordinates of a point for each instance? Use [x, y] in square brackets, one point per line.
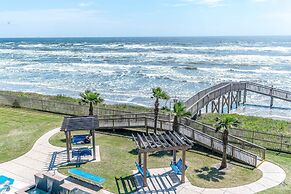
[226, 96]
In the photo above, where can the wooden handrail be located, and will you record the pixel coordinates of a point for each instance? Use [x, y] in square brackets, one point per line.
[230, 135]
[165, 127]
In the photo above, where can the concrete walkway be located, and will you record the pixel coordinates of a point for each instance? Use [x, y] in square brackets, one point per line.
[38, 159]
[23, 168]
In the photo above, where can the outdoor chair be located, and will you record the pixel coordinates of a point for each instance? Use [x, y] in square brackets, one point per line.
[177, 168]
[140, 170]
[81, 139]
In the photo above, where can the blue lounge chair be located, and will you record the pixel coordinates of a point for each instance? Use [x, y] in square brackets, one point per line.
[87, 176]
[5, 183]
[140, 170]
[177, 168]
[81, 152]
[81, 139]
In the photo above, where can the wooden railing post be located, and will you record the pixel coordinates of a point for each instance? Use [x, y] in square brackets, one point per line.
[212, 145]
[239, 96]
[193, 135]
[272, 98]
[218, 106]
[245, 97]
[228, 102]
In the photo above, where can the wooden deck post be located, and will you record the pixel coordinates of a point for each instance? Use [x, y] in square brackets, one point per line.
[272, 98]
[239, 96]
[231, 102]
[146, 125]
[228, 102]
[218, 106]
[183, 166]
[222, 103]
[70, 142]
[206, 108]
[93, 142]
[139, 158]
[67, 146]
[236, 99]
[245, 97]
[145, 184]
[174, 156]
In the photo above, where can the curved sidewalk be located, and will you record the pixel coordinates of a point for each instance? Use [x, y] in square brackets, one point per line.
[23, 168]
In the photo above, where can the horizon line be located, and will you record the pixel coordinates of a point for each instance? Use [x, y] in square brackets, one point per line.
[195, 36]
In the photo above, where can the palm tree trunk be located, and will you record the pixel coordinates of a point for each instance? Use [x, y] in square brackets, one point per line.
[91, 108]
[175, 124]
[224, 154]
[156, 112]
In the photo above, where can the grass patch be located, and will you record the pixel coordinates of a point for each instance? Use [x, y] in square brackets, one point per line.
[20, 128]
[253, 123]
[118, 155]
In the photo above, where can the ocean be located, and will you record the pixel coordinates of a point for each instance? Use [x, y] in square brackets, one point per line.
[124, 70]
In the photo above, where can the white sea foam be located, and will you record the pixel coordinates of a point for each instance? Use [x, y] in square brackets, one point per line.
[197, 48]
[178, 57]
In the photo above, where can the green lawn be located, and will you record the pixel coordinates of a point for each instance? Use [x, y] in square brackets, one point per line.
[253, 123]
[118, 156]
[20, 128]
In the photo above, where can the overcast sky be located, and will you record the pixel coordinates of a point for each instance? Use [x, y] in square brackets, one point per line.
[93, 18]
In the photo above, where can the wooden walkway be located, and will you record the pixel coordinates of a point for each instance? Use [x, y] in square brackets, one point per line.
[228, 95]
[238, 149]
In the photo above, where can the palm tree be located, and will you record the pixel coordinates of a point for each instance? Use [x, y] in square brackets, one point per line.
[179, 111]
[91, 97]
[225, 124]
[158, 94]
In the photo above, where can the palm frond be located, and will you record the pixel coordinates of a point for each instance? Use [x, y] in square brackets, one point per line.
[180, 110]
[159, 93]
[91, 96]
[226, 123]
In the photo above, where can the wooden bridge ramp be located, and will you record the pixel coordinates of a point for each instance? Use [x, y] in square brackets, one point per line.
[228, 95]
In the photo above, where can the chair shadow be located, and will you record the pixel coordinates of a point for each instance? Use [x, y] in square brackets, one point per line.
[210, 174]
[160, 183]
[126, 184]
